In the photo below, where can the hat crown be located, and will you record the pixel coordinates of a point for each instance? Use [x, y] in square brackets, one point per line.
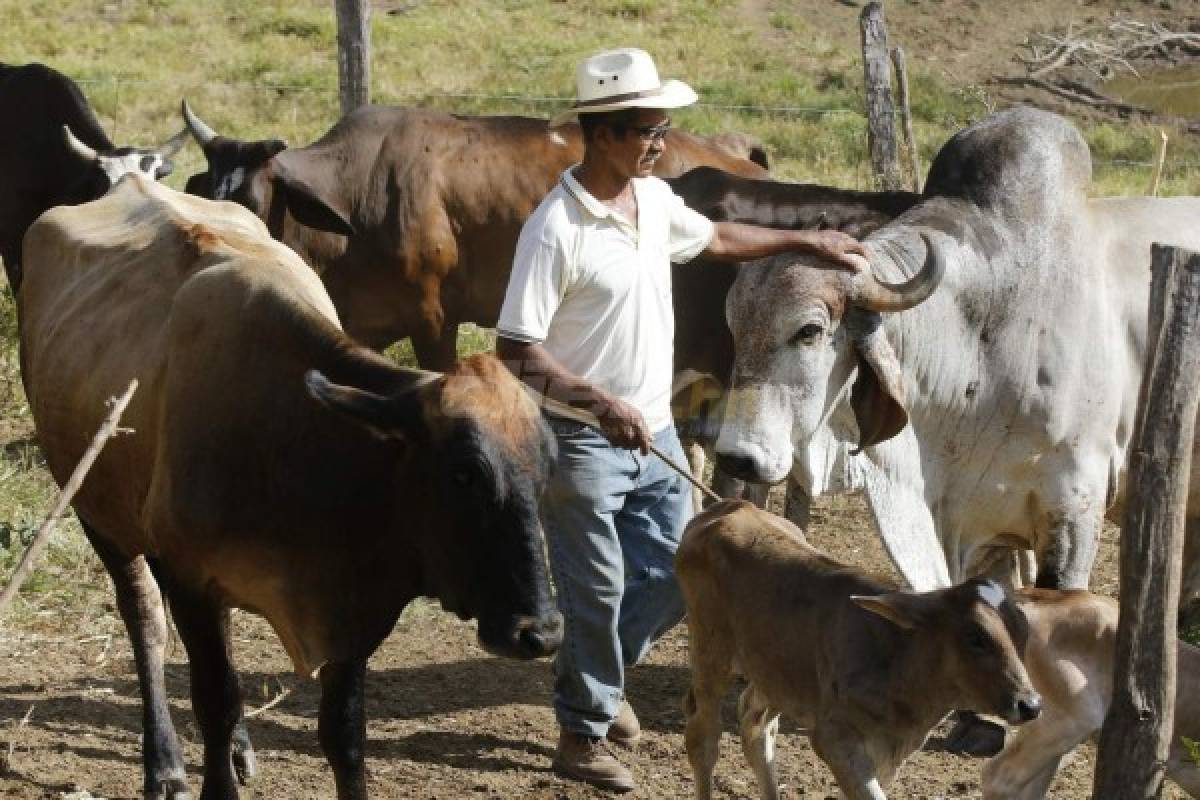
[615, 72]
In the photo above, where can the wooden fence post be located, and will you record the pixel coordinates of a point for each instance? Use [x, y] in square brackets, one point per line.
[881, 111]
[1137, 730]
[354, 53]
[914, 159]
[1156, 176]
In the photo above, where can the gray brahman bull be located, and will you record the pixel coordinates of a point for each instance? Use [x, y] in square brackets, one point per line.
[996, 411]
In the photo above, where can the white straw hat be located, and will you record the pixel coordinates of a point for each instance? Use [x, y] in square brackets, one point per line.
[623, 78]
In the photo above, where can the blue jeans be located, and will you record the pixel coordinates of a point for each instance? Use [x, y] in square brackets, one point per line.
[613, 519]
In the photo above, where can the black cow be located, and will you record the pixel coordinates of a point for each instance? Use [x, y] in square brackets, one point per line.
[41, 167]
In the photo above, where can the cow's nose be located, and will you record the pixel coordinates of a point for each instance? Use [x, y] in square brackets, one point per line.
[1029, 708]
[741, 467]
[541, 637]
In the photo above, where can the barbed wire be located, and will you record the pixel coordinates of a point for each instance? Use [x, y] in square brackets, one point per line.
[117, 82]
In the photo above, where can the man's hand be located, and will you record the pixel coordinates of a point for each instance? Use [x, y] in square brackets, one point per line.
[620, 422]
[841, 248]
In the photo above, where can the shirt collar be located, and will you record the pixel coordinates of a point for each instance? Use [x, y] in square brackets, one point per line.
[586, 199]
[583, 196]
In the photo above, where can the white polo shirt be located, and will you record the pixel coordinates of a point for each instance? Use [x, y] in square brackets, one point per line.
[595, 289]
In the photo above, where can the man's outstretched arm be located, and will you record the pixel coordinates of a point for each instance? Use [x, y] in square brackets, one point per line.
[734, 241]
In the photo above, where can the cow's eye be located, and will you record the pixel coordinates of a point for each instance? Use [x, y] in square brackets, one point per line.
[808, 334]
[977, 642]
[462, 476]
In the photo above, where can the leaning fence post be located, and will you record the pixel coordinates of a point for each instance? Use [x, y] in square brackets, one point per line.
[1136, 734]
[881, 111]
[914, 160]
[354, 53]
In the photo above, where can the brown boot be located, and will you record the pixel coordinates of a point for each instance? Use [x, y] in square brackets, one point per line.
[625, 730]
[588, 759]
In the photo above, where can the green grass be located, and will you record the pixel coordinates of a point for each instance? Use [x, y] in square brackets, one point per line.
[269, 69]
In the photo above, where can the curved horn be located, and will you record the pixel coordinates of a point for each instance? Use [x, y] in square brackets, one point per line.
[202, 132]
[174, 144]
[79, 148]
[874, 295]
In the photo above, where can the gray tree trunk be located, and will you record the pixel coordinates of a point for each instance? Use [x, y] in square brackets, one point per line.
[881, 111]
[1136, 734]
[354, 53]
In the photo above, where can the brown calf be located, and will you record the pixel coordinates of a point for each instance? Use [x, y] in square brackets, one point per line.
[866, 669]
[1069, 655]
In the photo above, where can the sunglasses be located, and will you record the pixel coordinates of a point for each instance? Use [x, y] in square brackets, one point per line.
[652, 133]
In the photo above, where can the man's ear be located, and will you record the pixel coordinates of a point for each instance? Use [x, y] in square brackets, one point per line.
[382, 416]
[877, 396]
[308, 205]
[899, 608]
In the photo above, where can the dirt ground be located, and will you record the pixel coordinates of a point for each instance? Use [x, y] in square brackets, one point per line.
[446, 720]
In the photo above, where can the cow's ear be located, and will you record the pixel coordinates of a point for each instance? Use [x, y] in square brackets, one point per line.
[877, 396]
[308, 206]
[378, 414]
[199, 185]
[899, 608]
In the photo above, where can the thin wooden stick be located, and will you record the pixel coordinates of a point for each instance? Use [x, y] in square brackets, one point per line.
[274, 701]
[1158, 164]
[589, 419]
[107, 429]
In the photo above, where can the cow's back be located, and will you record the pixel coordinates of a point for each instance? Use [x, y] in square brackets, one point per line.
[95, 308]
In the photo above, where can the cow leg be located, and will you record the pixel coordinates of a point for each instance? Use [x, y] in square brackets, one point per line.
[437, 351]
[758, 727]
[1027, 766]
[342, 726]
[1066, 553]
[245, 763]
[756, 493]
[203, 626]
[711, 676]
[696, 458]
[725, 484]
[845, 753]
[140, 604]
[797, 505]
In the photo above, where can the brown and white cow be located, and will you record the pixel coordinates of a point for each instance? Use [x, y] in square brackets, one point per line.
[866, 669]
[40, 167]
[276, 465]
[1069, 655]
[411, 216]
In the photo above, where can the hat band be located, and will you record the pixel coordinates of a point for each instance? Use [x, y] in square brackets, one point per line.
[619, 98]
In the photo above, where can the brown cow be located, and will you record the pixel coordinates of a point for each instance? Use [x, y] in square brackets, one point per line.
[325, 511]
[411, 216]
[1069, 655]
[866, 669]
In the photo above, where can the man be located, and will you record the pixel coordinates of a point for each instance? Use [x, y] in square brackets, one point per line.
[587, 319]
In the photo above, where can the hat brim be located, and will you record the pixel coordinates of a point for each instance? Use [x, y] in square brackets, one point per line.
[673, 94]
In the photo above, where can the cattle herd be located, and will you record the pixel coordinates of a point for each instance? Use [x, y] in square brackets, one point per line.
[977, 380]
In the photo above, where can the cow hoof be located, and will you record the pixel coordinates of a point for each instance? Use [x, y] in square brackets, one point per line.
[245, 763]
[974, 736]
[170, 789]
